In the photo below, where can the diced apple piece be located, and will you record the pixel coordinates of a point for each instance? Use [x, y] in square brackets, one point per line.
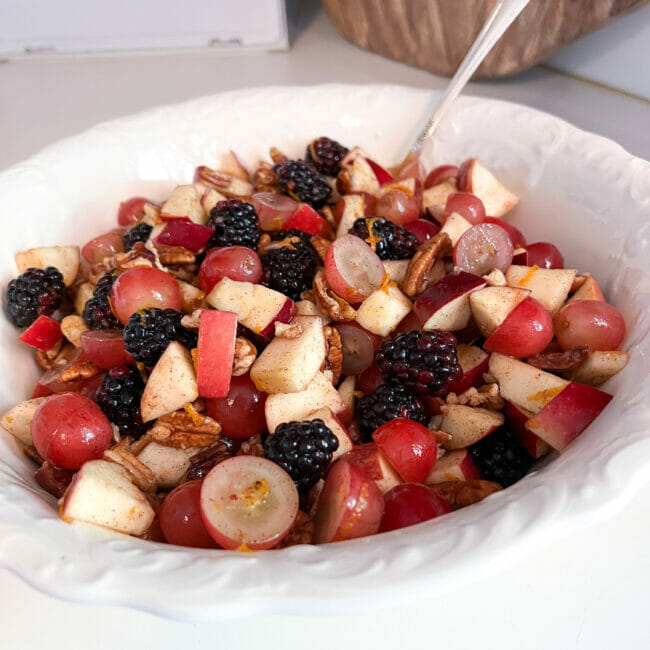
[182, 233]
[64, 258]
[101, 493]
[599, 366]
[305, 218]
[588, 291]
[374, 465]
[185, 201]
[289, 365]
[491, 306]
[309, 308]
[526, 386]
[566, 416]
[171, 384]
[445, 304]
[232, 165]
[396, 269]
[216, 351]
[548, 286]
[455, 226]
[84, 294]
[209, 199]
[497, 198]
[346, 390]
[517, 418]
[337, 428]
[168, 464]
[43, 334]
[455, 465]
[362, 177]
[18, 419]
[468, 424]
[353, 209]
[192, 296]
[383, 310]
[474, 363]
[383, 176]
[434, 199]
[257, 307]
[288, 407]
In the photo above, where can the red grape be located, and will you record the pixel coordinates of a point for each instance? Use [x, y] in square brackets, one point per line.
[467, 205]
[68, 429]
[541, 254]
[273, 209]
[180, 517]
[143, 288]
[235, 262]
[358, 347]
[408, 504]
[131, 210]
[423, 229]
[241, 413]
[105, 348]
[593, 323]
[370, 379]
[398, 207]
[440, 174]
[483, 248]
[514, 233]
[103, 246]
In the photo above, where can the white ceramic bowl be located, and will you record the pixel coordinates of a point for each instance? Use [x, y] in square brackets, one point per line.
[578, 190]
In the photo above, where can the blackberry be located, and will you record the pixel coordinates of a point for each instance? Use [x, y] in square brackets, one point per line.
[119, 397]
[303, 449]
[425, 362]
[389, 240]
[139, 232]
[290, 268]
[235, 223]
[301, 181]
[385, 404]
[501, 458]
[33, 293]
[150, 331]
[97, 311]
[326, 154]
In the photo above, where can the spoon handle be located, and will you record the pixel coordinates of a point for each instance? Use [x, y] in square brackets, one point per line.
[500, 18]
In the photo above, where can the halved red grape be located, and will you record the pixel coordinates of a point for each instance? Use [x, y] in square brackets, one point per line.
[398, 207]
[594, 323]
[514, 233]
[542, 254]
[105, 348]
[103, 246]
[423, 229]
[370, 379]
[143, 288]
[408, 504]
[358, 347]
[440, 174]
[274, 210]
[235, 262]
[180, 517]
[131, 211]
[466, 205]
[483, 248]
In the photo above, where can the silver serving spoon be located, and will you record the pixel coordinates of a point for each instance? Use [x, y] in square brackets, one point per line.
[500, 18]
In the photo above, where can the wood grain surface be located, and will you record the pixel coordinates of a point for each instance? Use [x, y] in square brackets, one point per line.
[436, 34]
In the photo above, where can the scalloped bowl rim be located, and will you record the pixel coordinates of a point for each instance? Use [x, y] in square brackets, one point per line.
[81, 564]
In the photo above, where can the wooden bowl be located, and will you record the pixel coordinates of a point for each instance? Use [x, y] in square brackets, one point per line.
[435, 35]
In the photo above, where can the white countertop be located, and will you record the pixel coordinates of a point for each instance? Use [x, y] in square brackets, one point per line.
[590, 590]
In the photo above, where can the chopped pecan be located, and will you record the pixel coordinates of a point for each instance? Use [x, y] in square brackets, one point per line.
[183, 430]
[320, 245]
[487, 396]
[265, 179]
[97, 270]
[334, 352]
[202, 462]
[328, 302]
[53, 479]
[276, 155]
[138, 256]
[301, 532]
[47, 358]
[245, 353]
[425, 257]
[252, 447]
[78, 370]
[192, 321]
[458, 494]
[560, 361]
[72, 327]
[290, 330]
[141, 475]
[174, 254]
[441, 437]
[183, 272]
[344, 181]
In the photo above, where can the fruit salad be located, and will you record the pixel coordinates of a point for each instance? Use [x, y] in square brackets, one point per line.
[316, 350]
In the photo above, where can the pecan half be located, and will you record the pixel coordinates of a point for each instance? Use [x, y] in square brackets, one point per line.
[458, 494]
[53, 479]
[245, 354]
[139, 255]
[301, 532]
[277, 156]
[334, 352]
[487, 396]
[441, 437]
[192, 321]
[78, 370]
[425, 257]
[328, 302]
[202, 462]
[140, 474]
[183, 430]
[320, 245]
[559, 361]
[251, 447]
[174, 254]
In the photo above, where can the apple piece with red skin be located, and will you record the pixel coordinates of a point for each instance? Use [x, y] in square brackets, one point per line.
[306, 219]
[216, 351]
[382, 175]
[289, 365]
[349, 506]
[439, 174]
[369, 459]
[523, 384]
[248, 502]
[456, 465]
[468, 424]
[599, 366]
[492, 305]
[567, 415]
[361, 178]
[455, 226]
[549, 286]
[192, 236]
[232, 165]
[527, 330]
[18, 419]
[131, 211]
[257, 307]
[588, 291]
[474, 364]
[102, 493]
[445, 304]
[351, 207]
[64, 258]
[409, 447]
[336, 427]
[43, 334]
[475, 178]
[346, 391]
[517, 417]
[184, 202]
